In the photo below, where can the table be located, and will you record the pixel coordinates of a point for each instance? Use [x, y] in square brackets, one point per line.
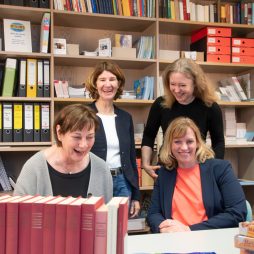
[221, 241]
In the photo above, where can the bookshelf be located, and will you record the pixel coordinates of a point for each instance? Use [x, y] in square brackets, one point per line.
[85, 29]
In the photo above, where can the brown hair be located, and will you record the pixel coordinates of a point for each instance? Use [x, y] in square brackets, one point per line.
[203, 89]
[99, 68]
[178, 128]
[74, 117]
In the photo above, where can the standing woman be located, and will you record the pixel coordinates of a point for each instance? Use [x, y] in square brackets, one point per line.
[114, 140]
[187, 93]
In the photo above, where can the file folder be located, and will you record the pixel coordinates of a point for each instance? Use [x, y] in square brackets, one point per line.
[37, 122]
[31, 78]
[32, 3]
[28, 121]
[22, 78]
[39, 78]
[1, 121]
[18, 122]
[45, 122]
[46, 78]
[9, 77]
[44, 3]
[7, 122]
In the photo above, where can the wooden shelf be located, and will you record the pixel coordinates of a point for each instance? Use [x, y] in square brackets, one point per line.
[101, 21]
[210, 67]
[37, 99]
[146, 188]
[85, 61]
[24, 13]
[241, 104]
[179, 27]
[117, 102]
[24, 146]
[5, 54]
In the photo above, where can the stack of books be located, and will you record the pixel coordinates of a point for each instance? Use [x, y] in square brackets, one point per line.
[245, 239]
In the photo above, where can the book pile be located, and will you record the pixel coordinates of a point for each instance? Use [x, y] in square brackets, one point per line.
[245, 239]
[146, 47]
[144, 88]
[55, 224]
[231, 90]
[145, 8]
[137, 224]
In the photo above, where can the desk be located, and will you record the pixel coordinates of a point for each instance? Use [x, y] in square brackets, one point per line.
[221, 241]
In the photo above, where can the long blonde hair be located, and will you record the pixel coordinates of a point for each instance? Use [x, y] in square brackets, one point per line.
[203, 89]
[176, 129]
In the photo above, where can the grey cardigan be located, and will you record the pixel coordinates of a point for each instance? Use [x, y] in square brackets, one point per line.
[34, 178]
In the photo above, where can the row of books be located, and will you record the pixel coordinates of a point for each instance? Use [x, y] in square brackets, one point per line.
[144, 88]
[245, 239]
[145, 8]
[63, 90]
[188, 10]
[24, 122]
[25, 78]
[30, 3]
[44, 225]
[146, 47]
[237, 13]
[234, 131]
[233, 13]
[231, 90]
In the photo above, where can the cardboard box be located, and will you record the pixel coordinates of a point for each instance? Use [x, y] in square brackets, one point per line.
[219, 50]
[123, 52]
[242, 51]
[169, 55]
[218, 58]
[242, 42]
[211, 31]
[218, 41]
[73, 49]
[146, 179]
[194, 55]
[243, 59]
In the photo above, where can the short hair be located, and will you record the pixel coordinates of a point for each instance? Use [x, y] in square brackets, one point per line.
[178, 128]
[203, 88]
[99, 68]
[74, 117]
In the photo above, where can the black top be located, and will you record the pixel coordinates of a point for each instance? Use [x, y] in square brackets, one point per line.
[70, 184]
[206, 118]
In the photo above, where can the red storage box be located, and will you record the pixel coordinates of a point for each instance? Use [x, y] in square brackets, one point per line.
[211, 31]
[218, 58]
[242, 51]
[242, 42]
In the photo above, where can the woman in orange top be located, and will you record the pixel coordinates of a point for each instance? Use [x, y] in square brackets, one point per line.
[193, 191]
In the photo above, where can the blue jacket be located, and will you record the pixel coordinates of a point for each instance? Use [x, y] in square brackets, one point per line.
[125, 133]
[223, 197]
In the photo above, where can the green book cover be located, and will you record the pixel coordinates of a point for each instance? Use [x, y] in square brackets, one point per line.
[9, 77]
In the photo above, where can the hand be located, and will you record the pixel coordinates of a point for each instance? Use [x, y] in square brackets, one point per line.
[169, 226]
[134, 208]
[151, 170]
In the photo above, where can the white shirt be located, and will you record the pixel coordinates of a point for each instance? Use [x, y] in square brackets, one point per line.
[113, 150]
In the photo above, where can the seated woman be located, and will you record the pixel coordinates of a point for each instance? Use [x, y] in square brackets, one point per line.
[68, 168]
[193, 191]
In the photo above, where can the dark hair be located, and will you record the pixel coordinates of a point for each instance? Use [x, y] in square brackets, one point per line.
[74, 117]
[99, 68]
